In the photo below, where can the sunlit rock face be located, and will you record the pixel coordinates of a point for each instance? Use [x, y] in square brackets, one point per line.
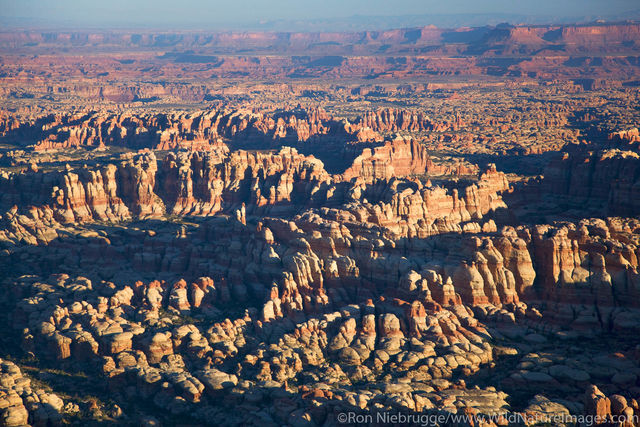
[267, 228]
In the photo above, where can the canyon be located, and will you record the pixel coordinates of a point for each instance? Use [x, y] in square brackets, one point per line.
[282, 228]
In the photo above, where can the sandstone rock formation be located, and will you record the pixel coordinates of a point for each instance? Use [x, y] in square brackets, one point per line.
[418, 222]
[23, 404]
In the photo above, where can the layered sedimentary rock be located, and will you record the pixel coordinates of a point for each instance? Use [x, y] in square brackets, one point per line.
[336, 303]
[203, 183]
[203, 129]
[614, 409]
[608, 180]
[399, 157]
[577, 36]
[576, 263]
[186, 368]
[187, 183]
[409, 222]
[579, 51]
[21, 403]
[322, 314]
[629, 137]
[594, 178]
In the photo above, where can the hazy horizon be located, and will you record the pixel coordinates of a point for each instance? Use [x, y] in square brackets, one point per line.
[282, 15]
